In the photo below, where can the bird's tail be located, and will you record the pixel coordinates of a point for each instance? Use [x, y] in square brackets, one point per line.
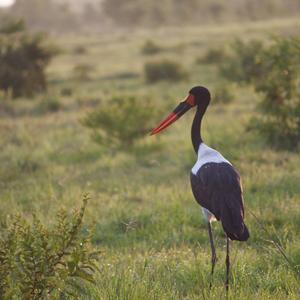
[232, 218]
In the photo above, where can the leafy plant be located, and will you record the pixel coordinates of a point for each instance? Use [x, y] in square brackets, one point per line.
[121, 121]
[80, 50]
[38, 263]
[66, 91]
[83, 71]
[164, 70]
[243, 64]
[150, 48]
[12, 26]
[274, 70]
[23, 59]
[49, 104]
[279, 83]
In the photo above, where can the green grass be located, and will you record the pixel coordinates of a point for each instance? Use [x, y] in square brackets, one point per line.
[148, 226]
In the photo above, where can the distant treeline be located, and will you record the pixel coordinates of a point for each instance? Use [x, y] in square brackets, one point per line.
[54, 16]
[178, 12]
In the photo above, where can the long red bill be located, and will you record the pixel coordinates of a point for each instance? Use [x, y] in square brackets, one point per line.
[171, 118]
[181, 109]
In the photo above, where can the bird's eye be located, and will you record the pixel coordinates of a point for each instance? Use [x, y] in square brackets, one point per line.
[191, 100]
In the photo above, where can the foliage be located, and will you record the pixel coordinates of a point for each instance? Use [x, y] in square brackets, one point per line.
[23, 59]
[243, 64]
[80, 50]
[164, 70]
[213, 56]
[83, 71]
[12, 26]
[39, 263]
[274, 70]
[66, 91]
[121, 121]
[279, 82]
[224, 93]
[48, 104]
[150, 48]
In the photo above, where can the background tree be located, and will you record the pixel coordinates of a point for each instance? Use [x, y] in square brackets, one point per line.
[23, 59]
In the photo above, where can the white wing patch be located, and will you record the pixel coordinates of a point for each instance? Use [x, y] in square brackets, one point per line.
[207, 155]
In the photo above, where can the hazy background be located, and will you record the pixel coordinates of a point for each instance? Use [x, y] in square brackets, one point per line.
[92, 15]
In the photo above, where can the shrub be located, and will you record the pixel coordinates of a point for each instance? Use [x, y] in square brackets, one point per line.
[150, 48]
[164, 70]
[66, 91]
[274, 70]
[279, 83]
[38, 263]
[49, 104]
[83, 72]
[121, 121]
[23, 58]
[80, 50]
[12, 26]
[212, 56]
[224, 94]
[243, 63]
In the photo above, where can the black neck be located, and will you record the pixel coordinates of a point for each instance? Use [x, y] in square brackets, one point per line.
[196, 127]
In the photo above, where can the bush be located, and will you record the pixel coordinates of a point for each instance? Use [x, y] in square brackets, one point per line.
[23, 59]
[279, 83]
[83, 72]
[12, 26]
[49, 104]
[243, 64]
[150, 48]
[274, 70]
[224, 94]
[80, 50]
[164, 70]
[213, 56]
[121, 121]
[39, 263]
[66, 91]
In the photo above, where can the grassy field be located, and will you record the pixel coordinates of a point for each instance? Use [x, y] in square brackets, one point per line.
[149, 228]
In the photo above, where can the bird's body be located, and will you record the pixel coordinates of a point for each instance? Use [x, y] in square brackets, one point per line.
[216, 187]
[215, 183]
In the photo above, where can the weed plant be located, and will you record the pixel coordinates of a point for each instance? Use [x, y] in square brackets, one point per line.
[45, 263]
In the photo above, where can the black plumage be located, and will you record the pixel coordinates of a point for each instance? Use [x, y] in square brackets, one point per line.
[217, 187]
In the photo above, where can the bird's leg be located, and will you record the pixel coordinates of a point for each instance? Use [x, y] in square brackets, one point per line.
[227, 265]
[213, 252]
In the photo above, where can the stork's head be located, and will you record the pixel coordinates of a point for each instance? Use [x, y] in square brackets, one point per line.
[198, 96]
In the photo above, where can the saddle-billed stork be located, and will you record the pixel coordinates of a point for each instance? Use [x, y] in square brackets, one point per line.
[215, 183]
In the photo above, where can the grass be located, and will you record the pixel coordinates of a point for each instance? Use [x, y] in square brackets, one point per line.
[148, 226]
